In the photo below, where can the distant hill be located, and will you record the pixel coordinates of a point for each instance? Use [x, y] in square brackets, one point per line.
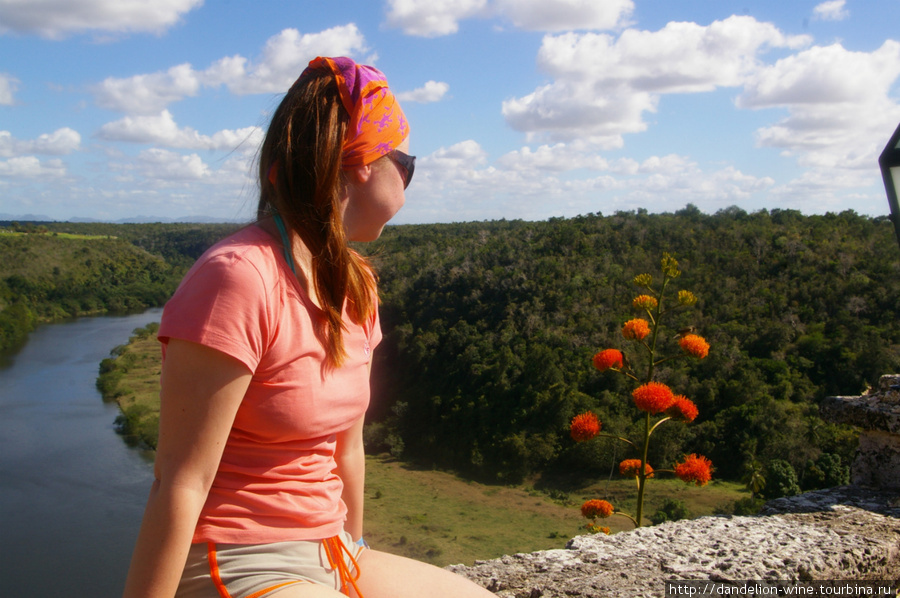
[59, 270]
[7, 219]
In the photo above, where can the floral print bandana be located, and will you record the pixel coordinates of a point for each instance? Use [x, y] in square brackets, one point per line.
[377, 123]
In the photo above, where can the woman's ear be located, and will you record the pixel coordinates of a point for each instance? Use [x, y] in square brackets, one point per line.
[359, 174]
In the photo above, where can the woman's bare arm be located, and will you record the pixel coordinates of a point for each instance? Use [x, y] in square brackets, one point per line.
[351, 467]
[201, 390]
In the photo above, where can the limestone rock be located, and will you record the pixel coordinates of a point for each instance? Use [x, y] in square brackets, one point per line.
[877, 461]
[850, 533]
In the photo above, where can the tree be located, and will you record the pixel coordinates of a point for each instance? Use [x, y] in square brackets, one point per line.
[781, 480]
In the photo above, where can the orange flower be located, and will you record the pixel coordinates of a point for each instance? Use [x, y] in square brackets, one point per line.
[653, 397]
[695, 469]
[644, 302]
[631, 467]
[636, 329]
[584, 427]
[596, 508]
[695, 345]
[597, 529]
[683, 408]
[608, 358]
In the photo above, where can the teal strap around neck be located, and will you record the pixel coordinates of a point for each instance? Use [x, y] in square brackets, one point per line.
[285, 240]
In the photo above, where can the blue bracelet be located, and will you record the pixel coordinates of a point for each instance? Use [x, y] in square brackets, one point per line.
[362, 543]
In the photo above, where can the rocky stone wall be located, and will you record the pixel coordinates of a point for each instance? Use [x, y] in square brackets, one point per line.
[846, 533]
[877, 413]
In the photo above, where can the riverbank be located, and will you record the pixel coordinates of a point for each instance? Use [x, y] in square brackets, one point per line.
[130, 378]
[73, 493]
[429, 515]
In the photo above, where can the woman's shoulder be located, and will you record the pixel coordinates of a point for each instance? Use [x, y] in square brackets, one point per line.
[250, 244]
[249, 239]
[248, 253]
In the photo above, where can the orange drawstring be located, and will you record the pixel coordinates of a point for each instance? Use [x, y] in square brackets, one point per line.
[333, 547]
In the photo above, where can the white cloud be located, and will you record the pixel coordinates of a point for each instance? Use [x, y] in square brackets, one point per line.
[167, 167]
[162, 130]
[670, 164]
[824, 75]
[147, 94]
[432, 91]
[838, 103]
[603, 84]
[679, 58]
[832, 190]
[458, 181]
[677, 173]
[570, 110]
[60, 142]
[432, 18]
[463, 155]
[564, 15]
[668, 183]
[833, 10]
[8, 87]
[29, 167]
[283, 58]
[55, 19]
[560, 157]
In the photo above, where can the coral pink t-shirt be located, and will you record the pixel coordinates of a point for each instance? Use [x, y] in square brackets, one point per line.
[276, 480]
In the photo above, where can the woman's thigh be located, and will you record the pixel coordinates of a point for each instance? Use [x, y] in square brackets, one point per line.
[306, 590]
[386, 575]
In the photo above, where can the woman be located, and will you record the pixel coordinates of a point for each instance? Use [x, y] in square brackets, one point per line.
[267, 349]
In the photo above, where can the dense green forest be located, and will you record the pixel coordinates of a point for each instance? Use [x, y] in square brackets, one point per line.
[490, 328]
[50, 271]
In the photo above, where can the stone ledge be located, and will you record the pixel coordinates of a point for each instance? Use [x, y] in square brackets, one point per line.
[884, 501]
[870, 412]
[844, 533]
[878, 410]
[877, 461]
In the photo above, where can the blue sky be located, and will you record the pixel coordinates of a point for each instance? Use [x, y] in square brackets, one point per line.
[531, 109]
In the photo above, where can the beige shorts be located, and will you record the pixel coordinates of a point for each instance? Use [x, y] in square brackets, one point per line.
[257, 570]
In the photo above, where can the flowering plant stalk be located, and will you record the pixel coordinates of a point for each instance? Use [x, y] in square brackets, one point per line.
[651, 397]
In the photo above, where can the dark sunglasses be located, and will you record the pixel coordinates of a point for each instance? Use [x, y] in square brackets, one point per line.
[406, 162]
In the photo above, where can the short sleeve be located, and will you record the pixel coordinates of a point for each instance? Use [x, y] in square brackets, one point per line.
[222, 303]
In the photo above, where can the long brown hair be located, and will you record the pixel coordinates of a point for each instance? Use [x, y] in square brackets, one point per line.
[301, 179]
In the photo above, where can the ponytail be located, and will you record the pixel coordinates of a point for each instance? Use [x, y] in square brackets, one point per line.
[301, 180]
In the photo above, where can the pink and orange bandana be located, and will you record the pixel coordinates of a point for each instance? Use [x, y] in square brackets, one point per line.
[377, 124]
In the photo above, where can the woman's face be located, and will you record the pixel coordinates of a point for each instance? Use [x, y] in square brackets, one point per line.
[374, 197]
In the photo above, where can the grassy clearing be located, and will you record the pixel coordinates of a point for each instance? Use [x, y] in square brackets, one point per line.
[141, 391]
[436, 516]
[131, 379]
[55, 235]
[74, 236]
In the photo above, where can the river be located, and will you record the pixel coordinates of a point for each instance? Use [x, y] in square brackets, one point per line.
[71, 492]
